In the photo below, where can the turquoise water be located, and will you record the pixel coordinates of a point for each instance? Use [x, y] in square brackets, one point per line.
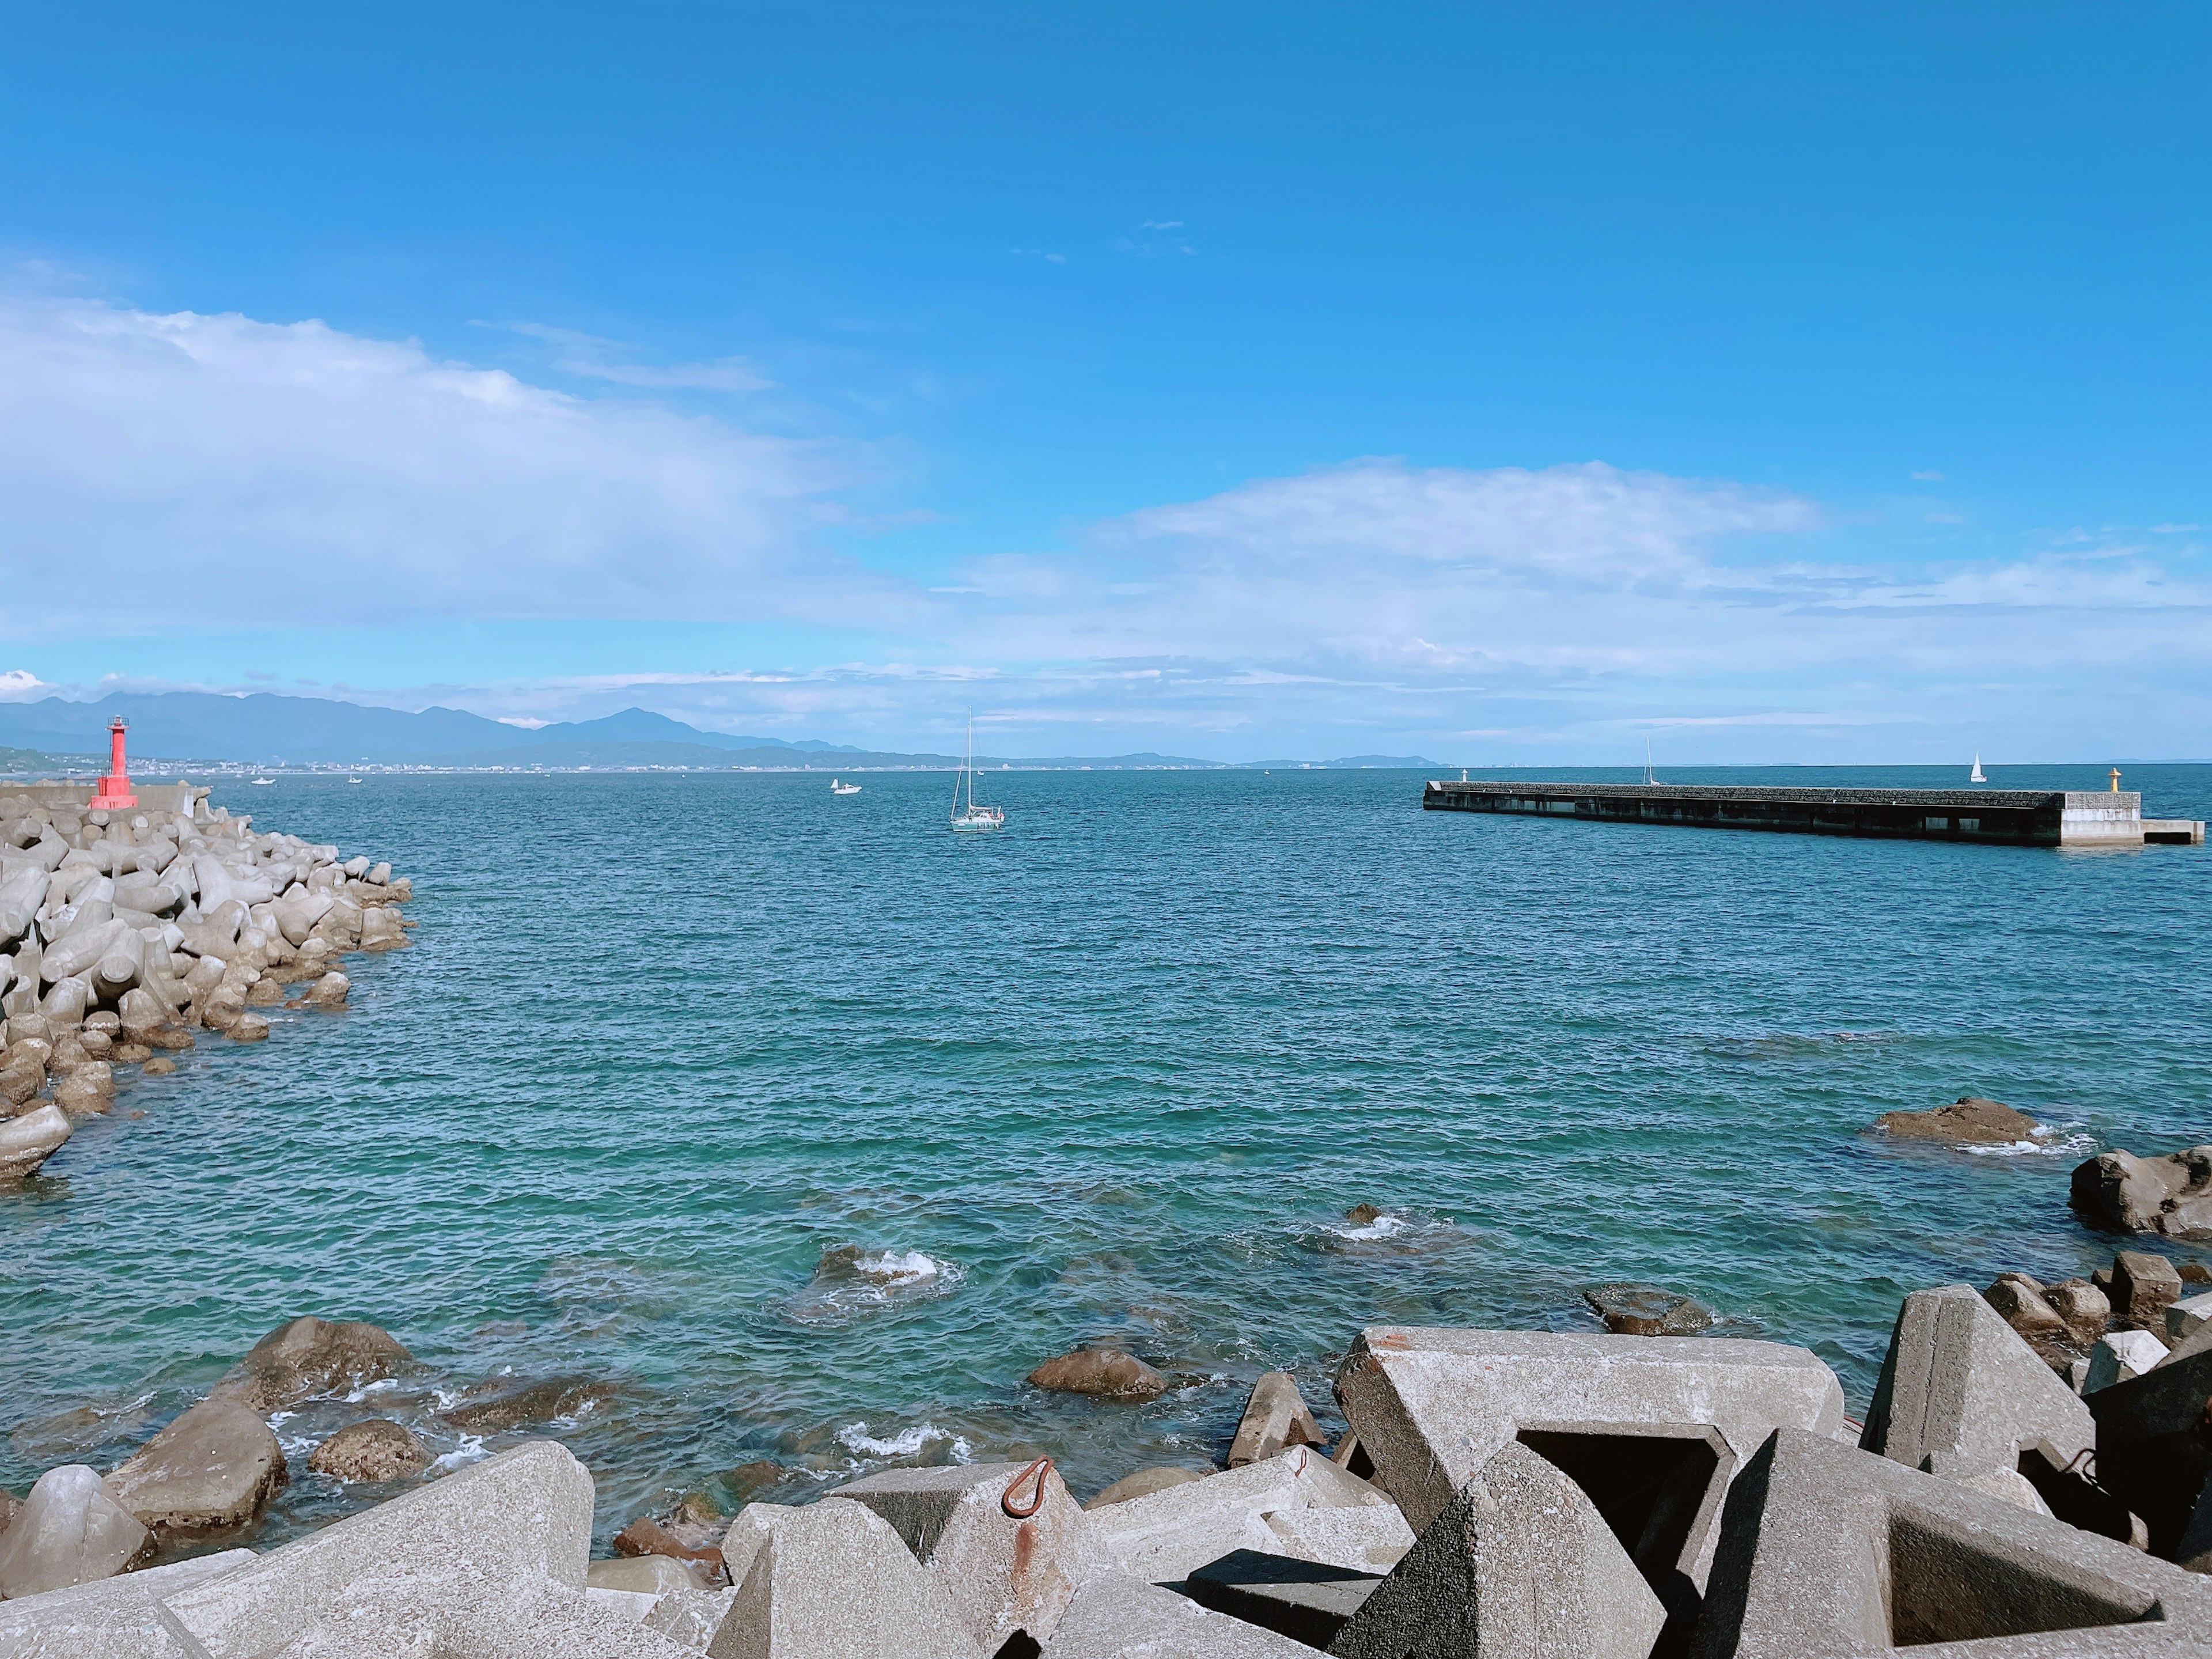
[673, 1057]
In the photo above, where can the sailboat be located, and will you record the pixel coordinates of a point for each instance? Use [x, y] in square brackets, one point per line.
[1977, 775]
[972, 815]
[837, 787]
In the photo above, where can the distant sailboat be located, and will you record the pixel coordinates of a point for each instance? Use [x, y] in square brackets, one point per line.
[1977, 775]
[837, 787]
[972, 815]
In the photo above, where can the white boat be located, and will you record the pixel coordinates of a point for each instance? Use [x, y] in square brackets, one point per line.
[972, 814]
[261, 781]
[838, 787]
[1977, 775]
[353, 780]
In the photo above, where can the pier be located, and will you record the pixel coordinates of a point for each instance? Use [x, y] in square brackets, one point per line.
[2002, 818]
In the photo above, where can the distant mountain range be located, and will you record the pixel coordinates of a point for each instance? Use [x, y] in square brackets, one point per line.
[268, 729]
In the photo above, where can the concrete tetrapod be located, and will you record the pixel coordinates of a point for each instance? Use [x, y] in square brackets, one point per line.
[1275, 1419]
[1828, 1551]
[1167, 1534]
[1520, 1564]
[834, 1581]
[120, 1617]
[462, 1613]
[1118, 1618]
[1001, 1574]
[1961, 1393]
[1432, 1405]
[28, 1141]
[68, 1532]
[523, 1515]
[2154, 1443]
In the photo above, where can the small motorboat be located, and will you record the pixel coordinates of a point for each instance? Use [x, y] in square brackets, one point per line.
[838, 787]
[262, 781]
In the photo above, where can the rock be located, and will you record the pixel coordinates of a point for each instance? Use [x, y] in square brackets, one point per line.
[1361, 1215]
[504, 1402]
[1144, 1482]
[2019, 1302]
[1960, 1384]
[1519, 1562]
[1305, 1601]
[1647, 1311]
[2184, 1318]
[248, 1027]
[308, 1357]
[1103, 1373]
[371, 1451]
[650, 1574]
[83, 1096]
[160, 1066]
[1167, 1534]
[213, 1468]
[834, 1580]
[1275, 1418]
[1001, 1573]
[262, 993]
[748, 1480]
[644, 1537]
[20, 1078]
[1970, 1120]
[522, 1516]
[382, 929]
[68, 1532]
[2085, 1308]
[2170, 1194]
[29, 1140]
[2120, 1356]
[1430, 1405]
[328, 992]
[1120, 1617]
[1829, 1550]
[2143, 1286]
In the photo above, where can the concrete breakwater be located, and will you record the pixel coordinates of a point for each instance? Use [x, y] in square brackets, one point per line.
[123, 931]
[2015, 817]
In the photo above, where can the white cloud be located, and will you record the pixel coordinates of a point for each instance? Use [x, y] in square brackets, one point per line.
[20, 685]
[1929, 478]
[218, 471]
[596, 358]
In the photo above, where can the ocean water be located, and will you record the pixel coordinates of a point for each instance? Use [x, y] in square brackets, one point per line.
[796, 1128]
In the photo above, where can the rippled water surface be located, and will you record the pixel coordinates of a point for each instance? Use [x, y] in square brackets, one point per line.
[807, 1128]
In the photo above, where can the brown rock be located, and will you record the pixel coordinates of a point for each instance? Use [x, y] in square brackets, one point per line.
[1647, 1311]
[213, 1468]
[749, 1480]
[1144, 1482]
[160, 1066]
[643, 1537]
[373, 1450]
[1359, 1215]
[1970, 1120]
[308, 1356]
[1103, 1373]
[264, 992]
[131, 1053]
[2124, 1193]
[247, 1028]
[165, 1036]
[506, 1402]
[2020, 1300]
[2196, 1272]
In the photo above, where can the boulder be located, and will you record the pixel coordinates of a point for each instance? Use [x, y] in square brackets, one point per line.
[2170, 1195]
[645, 1536]
[507, 1402]
[20, 1078]
[30, 1140]
[2120, 1356]
[1519, 1562]
[1275, 1418]
[308, 1357]
[2143, 1286]
[1167, 1534]
[214, 1466]
[1121, 1617]
[1002, 1572]
[2019, 1303]
[1103, 1373]
[68, 1532]
[1970, 1120]
[1647, 1311]
[834, 1581]
[520, 1517]
[1145, 1482]
[1431, 1406]
[373, 1450]
[248, 1027]
[2085, 1308]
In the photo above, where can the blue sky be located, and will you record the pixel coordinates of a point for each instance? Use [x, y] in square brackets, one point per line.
[1777, 383]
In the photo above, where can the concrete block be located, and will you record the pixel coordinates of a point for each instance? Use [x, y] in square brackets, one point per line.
[1307, 1600]
[1961, 1385]
[213, 1466]
[28, 1141]
[1119, 1618]
[834, 1581]
[691, 1618]
[2120, 1355]
[648, 1575]
[2144, 1286]
[1275, 1419]
[1519, 1563]
[68, 1532]
[1168, 1534]
[525, 1514]
[631, 1607]
[120, 1617]
[463, 1614]
[2184, 1318]
[1828, 1551]
[1431, 1406]
[1002, 1574]
[1364, 1538]
[2153, 1451]
[2020, 1303]
[1145, 1482]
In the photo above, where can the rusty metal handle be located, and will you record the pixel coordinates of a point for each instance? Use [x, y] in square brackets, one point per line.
[1041, 1468]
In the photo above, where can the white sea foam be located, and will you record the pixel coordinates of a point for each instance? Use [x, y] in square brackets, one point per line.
[2045, 1141]
[893, 1267]
[1383, 1226]
[471, 1450]
[856, 1437]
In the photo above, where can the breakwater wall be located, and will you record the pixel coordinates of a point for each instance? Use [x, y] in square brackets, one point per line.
[2011, 817]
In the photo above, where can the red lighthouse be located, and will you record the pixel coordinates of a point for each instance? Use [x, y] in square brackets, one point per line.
[115, 787]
